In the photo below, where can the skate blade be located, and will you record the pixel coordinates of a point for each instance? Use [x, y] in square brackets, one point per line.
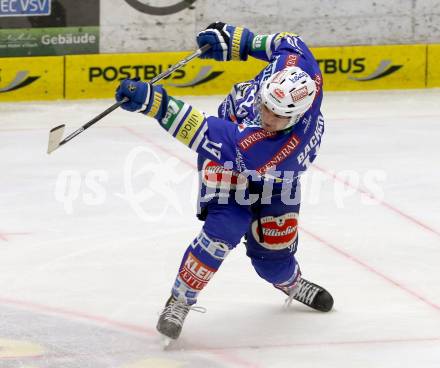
[167, 342]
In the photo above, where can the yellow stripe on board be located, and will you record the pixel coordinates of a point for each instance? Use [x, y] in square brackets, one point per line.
[433, 67]
[350, 68]
[31, 78]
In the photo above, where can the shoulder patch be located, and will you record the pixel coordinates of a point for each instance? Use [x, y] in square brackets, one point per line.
[259, 43]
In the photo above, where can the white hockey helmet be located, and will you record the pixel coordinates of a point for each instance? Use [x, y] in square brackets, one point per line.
[289, 93]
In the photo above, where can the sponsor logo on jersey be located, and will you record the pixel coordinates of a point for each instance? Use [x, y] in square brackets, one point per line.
[195, 273]
[215, 175]
[173, 109]
[259, 43]
[278, 232]
[292, 60]
[306, 120]
[161, 10]
[299, 94]
[189, 127]
[303, 157]
[255, 137]
[281, 155]
[20, 80]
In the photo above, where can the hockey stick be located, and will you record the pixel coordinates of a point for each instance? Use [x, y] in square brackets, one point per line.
[56, 134]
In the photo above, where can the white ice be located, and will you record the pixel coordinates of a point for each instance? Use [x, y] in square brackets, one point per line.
[92, 235]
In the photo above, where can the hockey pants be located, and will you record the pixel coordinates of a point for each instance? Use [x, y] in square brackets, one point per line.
[271, 235]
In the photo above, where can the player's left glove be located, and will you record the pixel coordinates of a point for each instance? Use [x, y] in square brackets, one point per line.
[143, 97]
[227, 42]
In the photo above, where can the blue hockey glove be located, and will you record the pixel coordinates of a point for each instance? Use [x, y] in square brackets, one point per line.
[227, 42]
[143, 97]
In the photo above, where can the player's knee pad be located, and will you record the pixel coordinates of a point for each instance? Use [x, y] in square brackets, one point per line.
[218, 249]
[277, 270]
[199, 264]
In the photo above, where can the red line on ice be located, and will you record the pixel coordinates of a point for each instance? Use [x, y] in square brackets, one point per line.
[381, 202]
[370, 268]
[115, 324]
[219, 351]
[4, 236]
[76, 314]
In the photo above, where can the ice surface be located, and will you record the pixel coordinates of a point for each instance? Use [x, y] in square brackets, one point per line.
[92, 235]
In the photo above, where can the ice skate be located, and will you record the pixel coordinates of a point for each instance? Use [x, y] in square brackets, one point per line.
[310, 294]
[172, 317]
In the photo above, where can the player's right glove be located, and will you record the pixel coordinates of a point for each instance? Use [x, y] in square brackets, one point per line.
[227, 42]
[142, 97]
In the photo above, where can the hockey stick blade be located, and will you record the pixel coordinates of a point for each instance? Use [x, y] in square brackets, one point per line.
[56, 133]
[55, 136]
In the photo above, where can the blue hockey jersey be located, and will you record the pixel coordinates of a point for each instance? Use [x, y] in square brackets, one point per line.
[235, 138]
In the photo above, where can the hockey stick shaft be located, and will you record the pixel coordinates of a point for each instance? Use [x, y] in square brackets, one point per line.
[56, 133]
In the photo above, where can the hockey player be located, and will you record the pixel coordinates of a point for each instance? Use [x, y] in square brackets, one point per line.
[267, 132]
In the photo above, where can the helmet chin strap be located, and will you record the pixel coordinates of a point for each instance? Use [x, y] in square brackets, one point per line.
[292, 122]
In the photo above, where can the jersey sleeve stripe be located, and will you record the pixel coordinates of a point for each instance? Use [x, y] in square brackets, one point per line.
[199, 136]
[178, 120]
[189, 127]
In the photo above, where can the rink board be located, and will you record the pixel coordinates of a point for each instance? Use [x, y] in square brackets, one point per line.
[433, 66]
[31, 78]
[360, 68]
[355, 68]
[97, 76]
[344, 68]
